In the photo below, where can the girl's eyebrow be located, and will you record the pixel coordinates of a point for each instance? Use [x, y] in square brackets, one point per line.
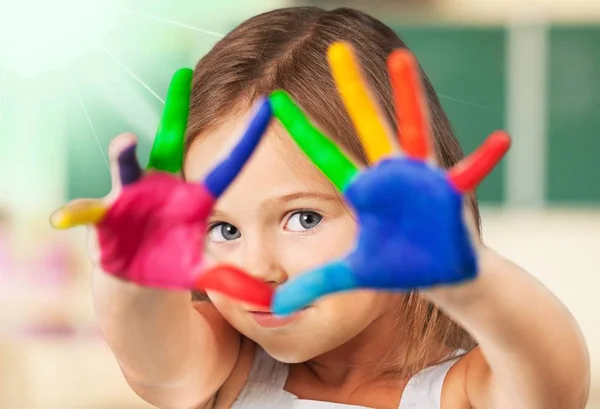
[215, 215]
[305, 195]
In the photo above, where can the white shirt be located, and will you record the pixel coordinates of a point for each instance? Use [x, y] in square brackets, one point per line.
[264, 388]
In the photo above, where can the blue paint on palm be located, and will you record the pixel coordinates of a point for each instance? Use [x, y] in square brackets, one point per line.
[411, 236]
[412, 233]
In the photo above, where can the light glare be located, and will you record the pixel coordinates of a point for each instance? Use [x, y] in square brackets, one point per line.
[41, 35]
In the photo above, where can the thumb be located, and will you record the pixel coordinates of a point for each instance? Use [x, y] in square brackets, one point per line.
[234, 282]
[303, 290]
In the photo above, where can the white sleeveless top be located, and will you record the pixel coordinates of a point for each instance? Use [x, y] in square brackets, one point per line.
[264, 388]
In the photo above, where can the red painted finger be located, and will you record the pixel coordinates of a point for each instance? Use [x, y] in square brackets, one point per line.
[235, 283]
[411, 109]
[467, 174]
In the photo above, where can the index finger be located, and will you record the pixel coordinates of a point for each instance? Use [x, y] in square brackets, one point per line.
[322, 151]
[167, 150]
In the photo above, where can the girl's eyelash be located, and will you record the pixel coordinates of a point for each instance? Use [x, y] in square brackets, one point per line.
[289, 214]
[286, 219]
[212, 225]
[305, 232]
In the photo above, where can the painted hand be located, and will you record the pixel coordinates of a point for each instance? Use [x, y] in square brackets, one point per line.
[410, 212]
[151, 228]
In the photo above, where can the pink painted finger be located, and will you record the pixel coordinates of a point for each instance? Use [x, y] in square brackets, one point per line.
[471, 171]
[235, 283]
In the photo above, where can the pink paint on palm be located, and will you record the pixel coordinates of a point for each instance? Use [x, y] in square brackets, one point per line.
[153, 235]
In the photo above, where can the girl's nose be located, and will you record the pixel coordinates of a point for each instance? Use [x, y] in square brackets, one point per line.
[261, 261]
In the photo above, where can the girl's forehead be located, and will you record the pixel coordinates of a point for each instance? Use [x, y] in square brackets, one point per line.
[277, 159]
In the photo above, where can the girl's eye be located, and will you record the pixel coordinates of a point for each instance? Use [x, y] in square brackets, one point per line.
[221, 232]
[302, 221]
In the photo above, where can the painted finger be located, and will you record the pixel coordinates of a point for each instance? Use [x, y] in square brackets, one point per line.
[167, 150]
[235, 283]
[321, 150]
[225, 172]
[364, 112]
[471, 171]
[414, 132]
[124, 166]
[305, 289]
[77, 213]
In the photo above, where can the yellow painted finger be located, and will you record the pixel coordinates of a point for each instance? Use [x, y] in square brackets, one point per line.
[370, 124]
[79, 212]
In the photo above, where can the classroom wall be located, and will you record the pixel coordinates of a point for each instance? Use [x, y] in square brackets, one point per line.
[470, 69]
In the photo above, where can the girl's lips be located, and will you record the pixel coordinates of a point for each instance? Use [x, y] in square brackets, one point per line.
[267, 319]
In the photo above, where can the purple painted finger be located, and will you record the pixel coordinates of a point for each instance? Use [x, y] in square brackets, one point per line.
[129, 168]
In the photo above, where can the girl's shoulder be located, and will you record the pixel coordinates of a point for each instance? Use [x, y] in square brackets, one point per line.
[458, 383]
[239, 376]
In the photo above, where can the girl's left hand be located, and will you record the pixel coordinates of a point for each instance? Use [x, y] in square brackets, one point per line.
[412, 232]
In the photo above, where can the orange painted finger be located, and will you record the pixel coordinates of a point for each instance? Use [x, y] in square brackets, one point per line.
[414, 132]
[471, 171]
[366, 116]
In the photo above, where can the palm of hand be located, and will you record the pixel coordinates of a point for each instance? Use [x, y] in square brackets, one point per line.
[153, 234]
[399, 203]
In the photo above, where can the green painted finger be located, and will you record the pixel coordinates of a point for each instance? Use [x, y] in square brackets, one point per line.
[167, 150]
[321, 150]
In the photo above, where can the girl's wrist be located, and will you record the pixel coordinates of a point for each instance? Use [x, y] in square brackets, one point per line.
[470, 292]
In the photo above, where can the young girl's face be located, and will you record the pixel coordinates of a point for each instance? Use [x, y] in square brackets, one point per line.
[279, 218]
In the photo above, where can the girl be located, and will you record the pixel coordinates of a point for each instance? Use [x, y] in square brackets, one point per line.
[509, 343]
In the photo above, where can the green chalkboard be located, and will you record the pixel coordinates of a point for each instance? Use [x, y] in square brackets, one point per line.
[467, 68]
[574, 115]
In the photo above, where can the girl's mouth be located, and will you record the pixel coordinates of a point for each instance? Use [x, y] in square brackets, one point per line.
[267, 319]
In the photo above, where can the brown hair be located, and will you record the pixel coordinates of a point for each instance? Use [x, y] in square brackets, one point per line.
[286, 49]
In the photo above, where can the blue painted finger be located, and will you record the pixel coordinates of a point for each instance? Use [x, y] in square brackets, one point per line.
[303, 290]
[225, 172]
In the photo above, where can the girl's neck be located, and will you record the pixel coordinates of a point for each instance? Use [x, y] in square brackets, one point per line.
[372, 356]
[358, 360]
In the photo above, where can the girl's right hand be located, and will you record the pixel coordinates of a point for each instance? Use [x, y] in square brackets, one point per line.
[151, 227]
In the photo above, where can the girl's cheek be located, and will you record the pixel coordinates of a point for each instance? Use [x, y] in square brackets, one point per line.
[330, 242]
[223, 304]
[219, 253]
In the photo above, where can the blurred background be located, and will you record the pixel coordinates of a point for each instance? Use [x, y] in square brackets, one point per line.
[73, 74]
